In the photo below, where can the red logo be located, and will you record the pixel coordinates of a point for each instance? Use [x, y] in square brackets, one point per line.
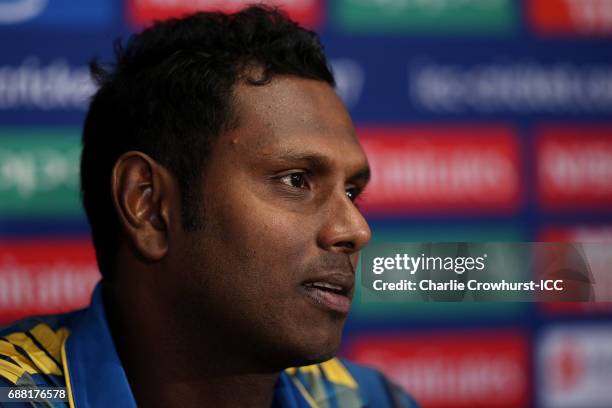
[566, 366]
[462, 169]
[143, 12]
[574, 167]
[571, 16]
[478, 369]
[573, 366]
[44, 277]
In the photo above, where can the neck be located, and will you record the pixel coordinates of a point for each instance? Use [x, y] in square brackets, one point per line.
[168, 366]
[212, 391]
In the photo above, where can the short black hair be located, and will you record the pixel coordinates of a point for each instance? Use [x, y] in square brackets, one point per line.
[169, 95]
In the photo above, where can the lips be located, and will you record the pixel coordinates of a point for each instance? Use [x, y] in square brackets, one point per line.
[332, 291]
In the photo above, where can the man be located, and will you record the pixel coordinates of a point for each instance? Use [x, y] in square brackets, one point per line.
[219, 175]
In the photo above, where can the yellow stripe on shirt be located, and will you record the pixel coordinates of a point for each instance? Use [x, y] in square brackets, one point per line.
[337, 373]
[44, 364]
[10, 371]
[64, 360]
[8, 349]
[49, 339]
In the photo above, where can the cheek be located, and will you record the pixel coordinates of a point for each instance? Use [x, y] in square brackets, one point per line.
[251, 259]
[263, 235]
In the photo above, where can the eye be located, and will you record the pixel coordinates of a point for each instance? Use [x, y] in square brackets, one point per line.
[352, 193]
[296, 180]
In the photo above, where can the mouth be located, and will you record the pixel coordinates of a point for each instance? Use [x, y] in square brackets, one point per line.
[332, 292]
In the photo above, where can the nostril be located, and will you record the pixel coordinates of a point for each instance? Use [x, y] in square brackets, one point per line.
[346, 244]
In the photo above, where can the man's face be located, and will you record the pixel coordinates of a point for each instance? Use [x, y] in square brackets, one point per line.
[273, 268]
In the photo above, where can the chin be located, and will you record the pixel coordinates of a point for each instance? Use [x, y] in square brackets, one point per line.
[306, 341]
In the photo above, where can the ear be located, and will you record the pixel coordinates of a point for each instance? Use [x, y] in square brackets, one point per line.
[141, 190]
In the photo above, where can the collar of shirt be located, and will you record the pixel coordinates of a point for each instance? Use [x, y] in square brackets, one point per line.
[96, 377]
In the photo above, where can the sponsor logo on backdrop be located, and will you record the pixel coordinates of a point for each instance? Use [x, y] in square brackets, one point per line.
[55, 13]
[426, 15]
[141, 12]
[22, 10]
[574, 167]
[575, 366]
[460, 169]
[513, 87]
[452, 370]
[571, 16]
[56, 85]
[350, 79]
[39, 172]
[45, 276]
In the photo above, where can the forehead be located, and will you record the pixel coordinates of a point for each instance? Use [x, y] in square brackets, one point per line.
[291, 113]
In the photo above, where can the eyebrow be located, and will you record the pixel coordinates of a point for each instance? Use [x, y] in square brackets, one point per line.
[323, 164]
[362, 176]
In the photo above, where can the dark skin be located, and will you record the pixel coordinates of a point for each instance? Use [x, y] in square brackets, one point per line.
[224, 309]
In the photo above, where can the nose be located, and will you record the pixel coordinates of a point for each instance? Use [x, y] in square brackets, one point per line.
[345, 230]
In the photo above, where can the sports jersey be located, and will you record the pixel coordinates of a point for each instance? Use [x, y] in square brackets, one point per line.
[76, 351]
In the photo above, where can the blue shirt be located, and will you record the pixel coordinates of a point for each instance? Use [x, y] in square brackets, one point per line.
[76, 350]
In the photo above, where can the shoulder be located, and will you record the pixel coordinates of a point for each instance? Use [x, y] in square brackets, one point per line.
[346, 384]
[31, 351]
[378, 389]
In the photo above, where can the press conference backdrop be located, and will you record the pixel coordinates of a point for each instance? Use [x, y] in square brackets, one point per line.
[484, 120]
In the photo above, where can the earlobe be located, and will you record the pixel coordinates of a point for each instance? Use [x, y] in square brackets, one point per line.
[139, 193]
